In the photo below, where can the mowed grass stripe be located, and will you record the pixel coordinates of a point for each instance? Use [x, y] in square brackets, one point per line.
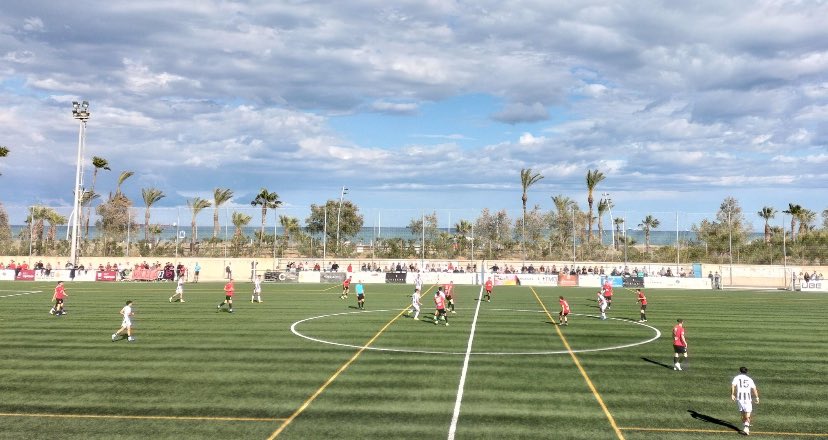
[581, 369]
[193, 362]
[331, 379]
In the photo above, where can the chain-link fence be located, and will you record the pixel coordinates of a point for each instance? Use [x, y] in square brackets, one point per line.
[341, 229]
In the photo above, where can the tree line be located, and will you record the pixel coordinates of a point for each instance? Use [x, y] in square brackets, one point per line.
[563, 233]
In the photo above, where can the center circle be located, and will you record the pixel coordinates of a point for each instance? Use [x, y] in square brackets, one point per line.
[293, 329]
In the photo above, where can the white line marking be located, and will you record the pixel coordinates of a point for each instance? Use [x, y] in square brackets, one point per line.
[483, 353]
[462, 385]
[19, 294]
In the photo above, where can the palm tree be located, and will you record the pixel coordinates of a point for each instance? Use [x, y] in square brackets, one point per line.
[647, 224]
[794, 211]
[100, 164]
[55, 219]
[463, 229]
[266, 199]
[150, 195]
[36, 217]
[289, 225]
[619, 222]
[124, 176]
[239, 220]
[220, 197]
[603, 206]
[527, 179]
[196, 206]
[767, 213]
[3, 151]
[806, 219]
[87, 197]
[593, 178]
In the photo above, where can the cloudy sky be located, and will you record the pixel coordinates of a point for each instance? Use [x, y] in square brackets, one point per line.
[421, 104]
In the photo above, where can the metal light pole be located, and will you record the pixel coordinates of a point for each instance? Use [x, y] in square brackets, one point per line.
[80, 111]
[338, 211]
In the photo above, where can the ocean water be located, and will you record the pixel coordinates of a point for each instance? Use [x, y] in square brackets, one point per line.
[369, 235]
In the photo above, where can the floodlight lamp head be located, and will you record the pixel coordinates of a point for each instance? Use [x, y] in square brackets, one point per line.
[75, 105]
[85, 105]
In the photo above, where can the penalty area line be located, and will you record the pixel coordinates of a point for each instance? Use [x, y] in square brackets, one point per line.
[719, 431]
[134, 417]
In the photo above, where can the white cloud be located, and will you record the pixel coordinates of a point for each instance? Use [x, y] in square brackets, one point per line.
[33, 24]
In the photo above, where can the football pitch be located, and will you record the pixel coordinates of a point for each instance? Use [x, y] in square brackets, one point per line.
[305, 364]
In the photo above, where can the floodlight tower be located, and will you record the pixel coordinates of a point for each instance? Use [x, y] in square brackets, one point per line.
[80, 111]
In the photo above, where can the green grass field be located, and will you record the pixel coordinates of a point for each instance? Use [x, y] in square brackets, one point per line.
[198, 373]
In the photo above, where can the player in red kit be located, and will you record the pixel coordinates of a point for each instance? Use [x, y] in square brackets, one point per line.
[488, 286]
[346, 288]
[679, 345]
[449, 290]
[607, 291]
[564, 313]
[229, 290]
[643, 301]
[58, 297]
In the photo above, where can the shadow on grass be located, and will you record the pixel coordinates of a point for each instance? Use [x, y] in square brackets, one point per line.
[715, 421]
[669, 367]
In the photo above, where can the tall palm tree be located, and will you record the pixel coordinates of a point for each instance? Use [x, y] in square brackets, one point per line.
[794, 211]
[196, 205]
[100, 164]
[767, 213]
[619, 222]
[648, 224]
[87, 197]
[603, 206]
[266, 199]
[527, 179]
[121, 178]
[593, 178]
[151, 196]
[240, 220]
[220, 197]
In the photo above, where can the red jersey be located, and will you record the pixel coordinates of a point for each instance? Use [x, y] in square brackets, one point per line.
[641, 298]
[489, 285]
[564, 306]
[678, 336]
[607, 289]
[228, 289]
[346, 283]
[439, 301]
[60, 292]
[449, 290]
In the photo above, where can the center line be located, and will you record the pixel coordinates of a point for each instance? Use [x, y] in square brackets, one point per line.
[460, 388]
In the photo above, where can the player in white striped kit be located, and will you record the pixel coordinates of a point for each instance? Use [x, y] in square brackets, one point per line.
[257, 289]
[743, 391]
[415, 304]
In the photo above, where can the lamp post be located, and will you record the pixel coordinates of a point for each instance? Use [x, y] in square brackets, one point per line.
[80, 111]
[338, 212]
